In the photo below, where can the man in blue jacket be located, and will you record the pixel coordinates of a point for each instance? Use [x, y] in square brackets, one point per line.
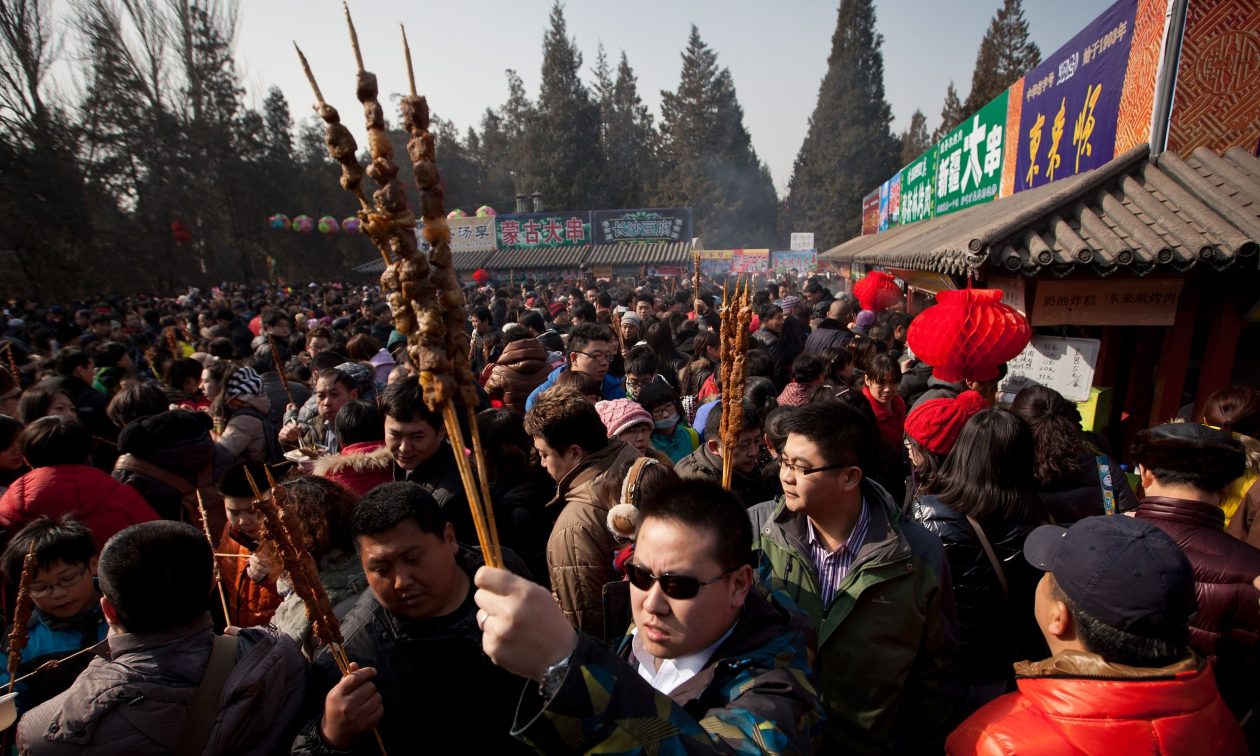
[591, 349]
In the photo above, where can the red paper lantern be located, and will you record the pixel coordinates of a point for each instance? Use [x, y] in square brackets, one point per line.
[877, 291]
[967, 334]
[481, 275]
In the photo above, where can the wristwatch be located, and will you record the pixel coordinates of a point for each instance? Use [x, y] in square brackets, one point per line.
[553, 677]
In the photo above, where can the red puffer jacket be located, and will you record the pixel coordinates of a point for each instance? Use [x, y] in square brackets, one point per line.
[1227, 626]
[1077, 703]
[102, 503]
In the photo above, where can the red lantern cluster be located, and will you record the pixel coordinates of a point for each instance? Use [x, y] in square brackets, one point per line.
[967, 334]
[180, 233]
[481, 276]
[877, 291]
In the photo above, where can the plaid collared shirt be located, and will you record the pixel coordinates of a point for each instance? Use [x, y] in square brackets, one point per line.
[833, 566]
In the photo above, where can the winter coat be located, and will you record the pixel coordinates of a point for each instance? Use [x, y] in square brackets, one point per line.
[994, 630]
[431, 670]
[772, 344]
[938, 389]
[914, 382]
[795, 394]
[829, 333]
[102, 503]
[522, 518]
[343, 581]
[887, 642]
[683, 441]
[1077, 703]
[1227, 625]
[137, 701]
[273, 389]
[358, 467]
[178, 443]
[519, 370]
[612, 387]
[250, 603]
[49, 638]
[580, 549]
[756, 694]
[245, 438]
[704, 464]
[1070, 500]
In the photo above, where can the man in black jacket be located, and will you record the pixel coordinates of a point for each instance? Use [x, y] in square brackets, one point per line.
[76, 369]
[421, 676]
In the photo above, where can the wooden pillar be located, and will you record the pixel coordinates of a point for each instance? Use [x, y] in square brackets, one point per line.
[1174, 358]
[1221, 350]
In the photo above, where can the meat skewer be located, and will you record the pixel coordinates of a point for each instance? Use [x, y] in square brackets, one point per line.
[280, 527]
[284, 375]
[19, 632]
[734, 373]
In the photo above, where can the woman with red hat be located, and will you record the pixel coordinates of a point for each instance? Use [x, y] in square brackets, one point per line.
[981, 504]
[932, 429]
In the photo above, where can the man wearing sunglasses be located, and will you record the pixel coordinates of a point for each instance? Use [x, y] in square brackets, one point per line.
[591, 349]
[713, 662]
[876, 585]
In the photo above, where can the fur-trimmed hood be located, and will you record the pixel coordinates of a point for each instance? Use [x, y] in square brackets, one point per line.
[358, 467]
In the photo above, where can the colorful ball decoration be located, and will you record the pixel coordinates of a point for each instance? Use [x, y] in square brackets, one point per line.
[485, 211]
[303, 224]
[877, 291]
[481, 276]
[279, 222]
[328, 225]
[968, 334]
[456, 213]
[351, 225]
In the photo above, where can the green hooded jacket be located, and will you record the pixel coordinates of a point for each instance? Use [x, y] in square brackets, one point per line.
[887, 642]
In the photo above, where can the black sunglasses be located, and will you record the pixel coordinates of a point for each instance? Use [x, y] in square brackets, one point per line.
[675, 586]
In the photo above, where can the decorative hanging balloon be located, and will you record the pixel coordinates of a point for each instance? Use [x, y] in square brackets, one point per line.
[456, 213]
[303, 224]
[968, 334]
[481, 276]
[328, 225]
[351, 225]
[279, 222]
[485, 211]
[877, 291]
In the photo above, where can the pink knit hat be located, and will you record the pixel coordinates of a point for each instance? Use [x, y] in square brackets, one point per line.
[621, 415]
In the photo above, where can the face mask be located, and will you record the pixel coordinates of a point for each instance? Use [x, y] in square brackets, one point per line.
[667, 423]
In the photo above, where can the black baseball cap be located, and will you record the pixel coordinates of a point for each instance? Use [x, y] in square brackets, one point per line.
[1120, 570]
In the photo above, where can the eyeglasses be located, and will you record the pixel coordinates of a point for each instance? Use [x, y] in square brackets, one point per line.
[796, 469]
[597, 356]
[66, 583]
[680, 587]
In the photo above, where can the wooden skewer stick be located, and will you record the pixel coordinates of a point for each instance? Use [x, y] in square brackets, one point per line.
[54, 663]
[218, 576]
[480, 522]
[354, 38]
[487, 503]
[411, 74]
[319, 96]
[284, 375]
[232, 556]
[19, 633]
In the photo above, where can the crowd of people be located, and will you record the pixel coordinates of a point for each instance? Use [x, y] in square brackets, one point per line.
[900, 563]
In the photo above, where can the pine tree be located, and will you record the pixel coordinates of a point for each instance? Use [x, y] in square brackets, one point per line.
[629, 142]
[915, 139]
[710, 164]
[278, 126]
[952, 113]
[1006, 53]
[849, 148]
[566, 160]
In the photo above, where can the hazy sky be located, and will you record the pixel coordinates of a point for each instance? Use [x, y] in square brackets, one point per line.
[777, 52]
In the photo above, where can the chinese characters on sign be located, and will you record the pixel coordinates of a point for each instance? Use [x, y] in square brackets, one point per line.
[1075, 95]
[801, 261]
[562, 229]
[969, 163]
[802, 242]
[1065, 365]
[918, 196]
[656, 226]
[1108, 302]
[472, 234]
[870, 213]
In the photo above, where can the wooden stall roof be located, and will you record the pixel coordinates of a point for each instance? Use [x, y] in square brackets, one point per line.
[1131, 215]
[523, 258]
[464, 262]
[673, 253]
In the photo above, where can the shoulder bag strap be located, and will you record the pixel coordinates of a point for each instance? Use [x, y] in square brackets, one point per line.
[1107, 484]
[205, 706]
[993, 560]
[134, 464]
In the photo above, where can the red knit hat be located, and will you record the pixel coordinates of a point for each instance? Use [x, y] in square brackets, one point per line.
[936, 423]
